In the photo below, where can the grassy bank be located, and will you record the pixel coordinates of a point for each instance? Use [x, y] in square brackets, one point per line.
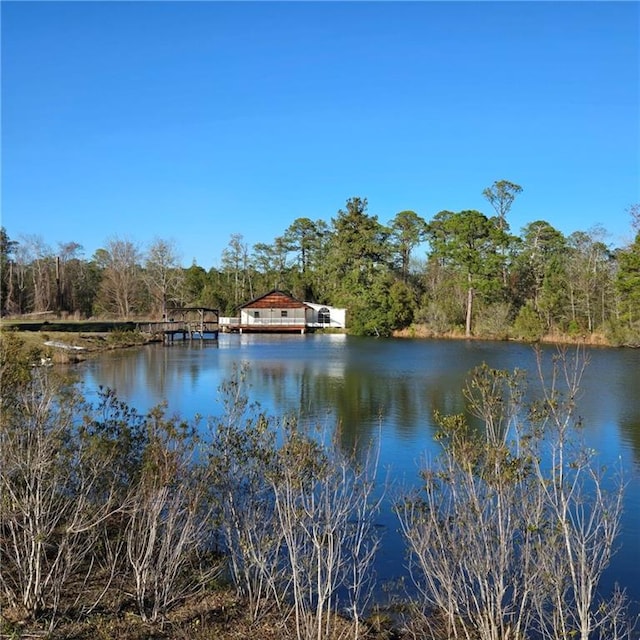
[64, 342]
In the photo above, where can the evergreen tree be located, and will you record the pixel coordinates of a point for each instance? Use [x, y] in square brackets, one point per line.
[628, 284]
[357, 267]
[469, 242]
[408, 230]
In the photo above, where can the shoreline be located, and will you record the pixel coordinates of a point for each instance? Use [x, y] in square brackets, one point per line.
[422, 332]
[67, 342]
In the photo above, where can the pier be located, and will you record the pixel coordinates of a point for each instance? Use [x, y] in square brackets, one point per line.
[187, 323]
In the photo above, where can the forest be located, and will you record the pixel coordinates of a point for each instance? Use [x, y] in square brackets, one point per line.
[475, 278]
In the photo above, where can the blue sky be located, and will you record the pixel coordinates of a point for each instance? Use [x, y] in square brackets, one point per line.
[193, 121]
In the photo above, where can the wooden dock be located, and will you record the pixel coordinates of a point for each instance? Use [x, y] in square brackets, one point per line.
[183, 330]
[188, 323]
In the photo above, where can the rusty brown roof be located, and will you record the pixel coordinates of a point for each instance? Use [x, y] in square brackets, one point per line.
[274, 300]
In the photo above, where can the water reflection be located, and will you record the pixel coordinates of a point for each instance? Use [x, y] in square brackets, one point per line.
[385, 391]
[364, 386]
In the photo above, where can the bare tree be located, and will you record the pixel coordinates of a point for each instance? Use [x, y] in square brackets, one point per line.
[590, 277]
[513, 528]
[32, 278]
[296, 517]
[471, 576]
[163, 274]
[634, 213]
[22, 301]
[235, 263]
[120, 288]
[41, 273]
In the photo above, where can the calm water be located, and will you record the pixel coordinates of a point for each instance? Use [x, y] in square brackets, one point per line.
[386, 390]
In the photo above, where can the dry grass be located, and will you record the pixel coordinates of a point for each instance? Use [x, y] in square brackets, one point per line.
[423, 331]
[218, 615]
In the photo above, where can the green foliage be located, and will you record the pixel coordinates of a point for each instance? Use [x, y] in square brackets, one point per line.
[407, 230]
[540, 245]
[469, 241]
[501, 195]
[195, 278]
[357, 250]
[628, 281]
[7, 248]
[528, 325]
[443, 304]
[16, 360]
[306, 239]
[402, 305]
[624, 334]
[493, 321]
[553, 300]
[435, 318]
[573, 284]
[371, 312]
[573, 329]
[114, 429]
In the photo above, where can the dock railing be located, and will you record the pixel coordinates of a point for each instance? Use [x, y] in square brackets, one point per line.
[226, 322]
[180, 326]
[230, 323]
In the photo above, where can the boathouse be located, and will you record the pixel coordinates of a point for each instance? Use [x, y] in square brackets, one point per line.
[279, 312]
[274, 311]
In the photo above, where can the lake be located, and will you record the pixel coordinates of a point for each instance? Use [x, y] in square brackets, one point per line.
[386, 390]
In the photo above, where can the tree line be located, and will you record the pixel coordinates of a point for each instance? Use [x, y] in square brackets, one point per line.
[108, 513]
[476, 276]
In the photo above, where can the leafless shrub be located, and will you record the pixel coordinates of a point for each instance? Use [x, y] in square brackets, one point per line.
[242, 452]
[57, 489]
[325, 510]
[169, 518]
[513, 527]
[582, 516]
[296, 517]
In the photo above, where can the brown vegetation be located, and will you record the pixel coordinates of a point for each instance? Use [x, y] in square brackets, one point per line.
[424, 331]
[220, 614]
[116, 524]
